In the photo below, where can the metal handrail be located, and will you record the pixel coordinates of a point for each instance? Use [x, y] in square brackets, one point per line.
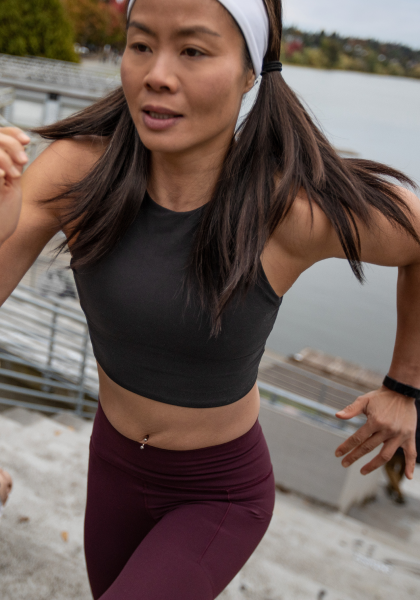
[51, 337]
[277, 395]
[61, 309]
[312, 376]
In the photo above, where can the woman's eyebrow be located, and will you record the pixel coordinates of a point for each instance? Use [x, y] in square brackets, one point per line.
[141, 27]
[183, 32]
[196, 29]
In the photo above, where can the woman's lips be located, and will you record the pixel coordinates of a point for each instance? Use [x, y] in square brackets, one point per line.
[158, 121]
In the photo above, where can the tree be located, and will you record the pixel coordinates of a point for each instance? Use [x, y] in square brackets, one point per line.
[36, 28]
[96, 22]
[332, 50]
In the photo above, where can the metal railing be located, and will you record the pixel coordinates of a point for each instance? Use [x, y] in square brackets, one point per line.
[304, 408]
[46, 353]
[303, 383]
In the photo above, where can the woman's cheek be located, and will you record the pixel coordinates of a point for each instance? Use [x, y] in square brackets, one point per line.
[215, 97]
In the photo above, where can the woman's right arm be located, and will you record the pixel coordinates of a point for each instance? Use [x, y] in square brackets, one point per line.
[63, 161]
[12, 159]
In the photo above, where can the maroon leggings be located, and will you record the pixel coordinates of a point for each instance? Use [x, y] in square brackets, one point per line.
[173, 524]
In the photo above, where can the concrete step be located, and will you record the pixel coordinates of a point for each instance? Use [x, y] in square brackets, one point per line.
[309, 552]
[66, 420]
[41, 531]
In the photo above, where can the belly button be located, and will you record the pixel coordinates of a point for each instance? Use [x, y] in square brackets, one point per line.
[145, 440]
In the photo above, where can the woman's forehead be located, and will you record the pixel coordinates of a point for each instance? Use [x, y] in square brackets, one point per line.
[184, 14]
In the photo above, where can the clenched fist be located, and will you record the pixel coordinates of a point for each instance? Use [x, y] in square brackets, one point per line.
[12, 160]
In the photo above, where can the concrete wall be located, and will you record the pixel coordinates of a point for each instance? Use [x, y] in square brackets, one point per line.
[304, 461]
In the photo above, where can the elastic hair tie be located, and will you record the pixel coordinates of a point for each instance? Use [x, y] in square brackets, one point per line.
[272, 66]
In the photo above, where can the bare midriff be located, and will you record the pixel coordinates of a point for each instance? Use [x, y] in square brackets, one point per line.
[175, 427]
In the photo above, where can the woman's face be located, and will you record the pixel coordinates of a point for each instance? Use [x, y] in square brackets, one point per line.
[183, 74]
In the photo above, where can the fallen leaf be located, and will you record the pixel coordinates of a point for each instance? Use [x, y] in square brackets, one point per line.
[71, 428]
[57, 432]
[23, 519]
[65, 536]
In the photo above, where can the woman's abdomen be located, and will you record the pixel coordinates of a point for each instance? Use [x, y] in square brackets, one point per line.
[175, 427]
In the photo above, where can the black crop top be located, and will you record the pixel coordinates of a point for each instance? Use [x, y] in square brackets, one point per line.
[142, 336]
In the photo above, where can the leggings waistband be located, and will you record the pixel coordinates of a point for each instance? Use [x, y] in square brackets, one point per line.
[154, 463]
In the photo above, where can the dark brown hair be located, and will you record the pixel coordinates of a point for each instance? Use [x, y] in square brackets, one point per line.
[278, 150]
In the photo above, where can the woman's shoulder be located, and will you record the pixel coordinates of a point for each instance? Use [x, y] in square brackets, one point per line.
[306, 231]
[77, 155]
[62, 162]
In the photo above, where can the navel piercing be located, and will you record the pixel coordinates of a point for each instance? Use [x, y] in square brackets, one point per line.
[145, 440]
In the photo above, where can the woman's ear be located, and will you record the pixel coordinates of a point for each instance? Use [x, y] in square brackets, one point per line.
[250, 81]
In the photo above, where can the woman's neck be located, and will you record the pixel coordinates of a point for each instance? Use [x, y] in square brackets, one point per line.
[183, 183]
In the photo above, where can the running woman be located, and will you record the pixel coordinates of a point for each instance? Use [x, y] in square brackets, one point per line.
[185, 233]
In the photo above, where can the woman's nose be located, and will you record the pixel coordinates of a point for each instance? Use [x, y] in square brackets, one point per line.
[161, 76]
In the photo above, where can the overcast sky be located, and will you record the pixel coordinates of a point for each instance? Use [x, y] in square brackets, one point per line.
[385, 20]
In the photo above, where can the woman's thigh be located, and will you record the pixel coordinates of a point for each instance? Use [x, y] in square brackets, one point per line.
[116, 520]
[192, 553]
[172, 525]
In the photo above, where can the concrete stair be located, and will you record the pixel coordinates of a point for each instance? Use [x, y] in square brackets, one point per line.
[41, 531]
[309, 552]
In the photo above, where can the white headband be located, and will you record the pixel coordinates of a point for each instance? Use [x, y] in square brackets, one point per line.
[252, 18]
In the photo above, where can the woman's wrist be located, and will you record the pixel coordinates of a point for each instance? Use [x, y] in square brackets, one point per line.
[405, 371]
[401, 387]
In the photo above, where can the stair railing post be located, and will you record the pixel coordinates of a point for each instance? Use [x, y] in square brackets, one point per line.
[322, 394]
[53, 333]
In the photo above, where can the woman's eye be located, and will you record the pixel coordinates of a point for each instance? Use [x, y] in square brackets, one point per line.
[193, 52]
[141, 47]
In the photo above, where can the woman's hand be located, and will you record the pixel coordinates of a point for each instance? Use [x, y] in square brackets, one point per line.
[6, 485]
[12, 159]
[391, 421]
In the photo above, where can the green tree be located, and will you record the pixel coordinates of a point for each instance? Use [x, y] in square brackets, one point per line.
[36, 28]
[332, 50]
[96, 22]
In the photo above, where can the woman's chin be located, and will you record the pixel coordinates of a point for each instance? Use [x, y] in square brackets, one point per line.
[164, 143]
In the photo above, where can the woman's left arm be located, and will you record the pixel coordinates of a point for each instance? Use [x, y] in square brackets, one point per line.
[392, 417]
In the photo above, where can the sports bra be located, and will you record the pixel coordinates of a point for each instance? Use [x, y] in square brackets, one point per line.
[143, 335]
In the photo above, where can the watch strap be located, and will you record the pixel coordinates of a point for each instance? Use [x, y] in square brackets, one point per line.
[401, 388]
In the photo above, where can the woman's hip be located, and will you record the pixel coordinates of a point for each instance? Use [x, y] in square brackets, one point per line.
[238, 470]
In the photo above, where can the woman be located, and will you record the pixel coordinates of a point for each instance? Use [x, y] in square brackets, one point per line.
[184, 238]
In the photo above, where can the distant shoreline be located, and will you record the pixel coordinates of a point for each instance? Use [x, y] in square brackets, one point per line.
[334, 52]
[340, 70]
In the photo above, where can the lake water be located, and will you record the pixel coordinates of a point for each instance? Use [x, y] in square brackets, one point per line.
[379, 118]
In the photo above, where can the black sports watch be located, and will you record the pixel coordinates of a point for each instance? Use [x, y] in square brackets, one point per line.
[401, 388]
